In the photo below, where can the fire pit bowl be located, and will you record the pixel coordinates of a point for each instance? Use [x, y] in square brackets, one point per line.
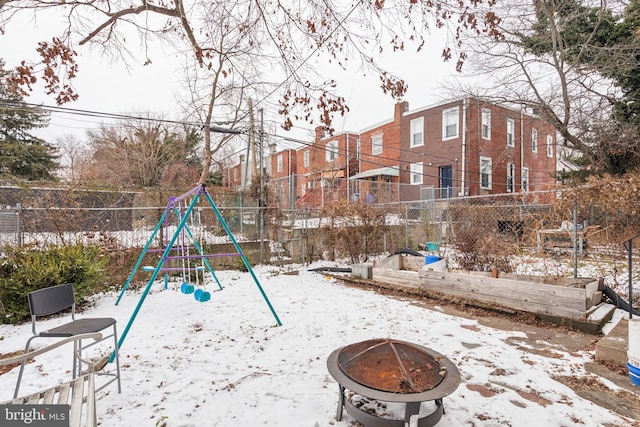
[392, 371]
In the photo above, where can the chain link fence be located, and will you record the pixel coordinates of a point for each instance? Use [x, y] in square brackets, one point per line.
[537, 222]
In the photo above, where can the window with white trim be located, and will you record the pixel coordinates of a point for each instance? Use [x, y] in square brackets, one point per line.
[235, 175]
[331, 151]
[485, 173]
[486, 123]
[534, 140]
[525, 179]
[376, 144]
[511, 133]
[511, 177]
[549, 146]
[417, 132]
[416, 173]
[305, 158]
[450, 119]
[279, 162]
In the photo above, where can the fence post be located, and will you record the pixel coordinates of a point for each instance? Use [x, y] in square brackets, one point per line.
[575, 239]
[19, 224]
[406, 225]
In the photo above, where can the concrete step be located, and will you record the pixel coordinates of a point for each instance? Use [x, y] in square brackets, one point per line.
[613, 347]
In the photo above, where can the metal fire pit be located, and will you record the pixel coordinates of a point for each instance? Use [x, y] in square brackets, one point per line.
[392, 371]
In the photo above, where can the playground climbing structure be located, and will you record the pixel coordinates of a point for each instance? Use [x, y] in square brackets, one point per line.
[177, 248]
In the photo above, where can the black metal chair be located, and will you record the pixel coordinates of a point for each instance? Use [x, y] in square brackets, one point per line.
[56, 299]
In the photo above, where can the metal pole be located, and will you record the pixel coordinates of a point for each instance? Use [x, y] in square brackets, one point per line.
[630, 279]
[406, 225]
[261, 201]
[575, 240]
[347, 177]
[19, 224]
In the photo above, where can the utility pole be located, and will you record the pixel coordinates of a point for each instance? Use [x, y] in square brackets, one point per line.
[250, 171]
[261, 201]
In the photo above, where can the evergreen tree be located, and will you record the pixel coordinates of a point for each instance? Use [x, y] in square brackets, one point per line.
[23, 155]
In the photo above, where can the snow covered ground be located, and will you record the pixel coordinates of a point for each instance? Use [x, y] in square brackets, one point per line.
[225, 362]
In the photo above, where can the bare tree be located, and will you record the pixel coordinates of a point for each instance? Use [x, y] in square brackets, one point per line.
[139, 153]
[75, 157]
[242, 44]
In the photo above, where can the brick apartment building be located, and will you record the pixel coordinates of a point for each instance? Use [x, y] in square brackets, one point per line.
[325, 166]
[451, 149]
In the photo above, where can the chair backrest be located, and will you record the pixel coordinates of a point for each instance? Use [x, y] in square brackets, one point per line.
[51, 300]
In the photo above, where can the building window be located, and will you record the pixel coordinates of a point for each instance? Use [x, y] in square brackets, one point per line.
[534, 140]
[450, 119]
[511, 177]
[417, 132]
[511, 133]
[279, 161]
[235, 175]
[486, 123]
[305, 158]
[416, 173]
[485, 173]
[525, 179]
[331, 151]
[549, 146]
[376, 144]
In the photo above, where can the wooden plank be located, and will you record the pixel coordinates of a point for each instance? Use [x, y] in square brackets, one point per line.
[514, 304]
[392, 263]
[75, 413]
[396, 274]
[470, 291]
[48, 395]
[63, 393]
[92, 416]
[509, 292]
[508, 284]
[412, 262]
[403, 278]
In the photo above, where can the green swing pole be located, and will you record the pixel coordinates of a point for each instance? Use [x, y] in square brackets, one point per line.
[144, 252]
[237, 246]
[201, 252]
[154, 276]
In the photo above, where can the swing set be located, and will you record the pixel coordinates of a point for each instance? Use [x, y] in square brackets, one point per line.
[178, 248]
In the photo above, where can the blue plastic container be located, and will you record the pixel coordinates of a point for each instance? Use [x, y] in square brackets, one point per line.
[433, 246]
[430, 259]
[634, 374]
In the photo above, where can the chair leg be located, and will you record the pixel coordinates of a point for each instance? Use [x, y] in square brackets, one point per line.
[116, 349]
[22, 365]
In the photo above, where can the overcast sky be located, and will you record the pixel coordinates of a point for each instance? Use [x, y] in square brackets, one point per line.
[106, 86]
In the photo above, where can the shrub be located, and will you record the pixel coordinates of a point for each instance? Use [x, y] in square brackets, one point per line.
[355, 230]
[26, 270]
[483, 253]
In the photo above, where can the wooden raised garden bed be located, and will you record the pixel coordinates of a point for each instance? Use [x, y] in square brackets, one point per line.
[557, 299]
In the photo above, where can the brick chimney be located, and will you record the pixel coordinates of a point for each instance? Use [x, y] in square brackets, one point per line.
[400, 108]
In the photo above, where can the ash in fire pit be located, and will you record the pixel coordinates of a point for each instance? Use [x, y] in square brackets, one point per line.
[393, 366]
[392, 371]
